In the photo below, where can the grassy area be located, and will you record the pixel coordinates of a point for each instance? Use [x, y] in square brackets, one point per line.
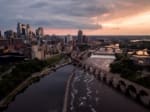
[124, 66]
[22, 71]
[144, 82]
[19, 74]
[54, 59]
[4, 68]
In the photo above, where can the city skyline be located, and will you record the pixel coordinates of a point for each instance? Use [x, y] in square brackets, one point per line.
[109, 17]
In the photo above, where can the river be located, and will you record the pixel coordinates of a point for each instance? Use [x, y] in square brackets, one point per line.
[47, 95]
[90, 95]
[86, 95]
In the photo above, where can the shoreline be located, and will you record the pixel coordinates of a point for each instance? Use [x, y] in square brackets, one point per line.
[35, 76]
[65, 105]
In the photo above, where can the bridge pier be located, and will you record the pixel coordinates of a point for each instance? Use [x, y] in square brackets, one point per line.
[143, 98]
[145, 101]
[131, 91]
[122, 86]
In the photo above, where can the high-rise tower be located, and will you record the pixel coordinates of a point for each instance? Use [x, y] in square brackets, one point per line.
[80, 36]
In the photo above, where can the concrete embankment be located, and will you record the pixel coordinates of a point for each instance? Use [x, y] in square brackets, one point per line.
[36, 76]
[65, 104]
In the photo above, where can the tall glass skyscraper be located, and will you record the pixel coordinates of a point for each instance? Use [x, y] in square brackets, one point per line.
[80, 36]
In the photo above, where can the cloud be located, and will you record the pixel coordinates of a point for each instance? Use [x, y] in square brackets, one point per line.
[73, 14]
[61, 24]
[39, 5]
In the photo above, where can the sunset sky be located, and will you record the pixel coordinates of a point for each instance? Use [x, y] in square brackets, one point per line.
[94, 17]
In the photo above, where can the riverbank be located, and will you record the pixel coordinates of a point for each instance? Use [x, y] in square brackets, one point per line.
[5, 101]
[65, 105]
[23, 70]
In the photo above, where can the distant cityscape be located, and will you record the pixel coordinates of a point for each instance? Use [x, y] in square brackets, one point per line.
[75, 56]
[35, 44]
[124, 59]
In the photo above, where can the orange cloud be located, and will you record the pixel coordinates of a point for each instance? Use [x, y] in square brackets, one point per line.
[124, 17]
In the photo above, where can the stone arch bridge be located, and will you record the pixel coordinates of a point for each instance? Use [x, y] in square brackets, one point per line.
[127, 87]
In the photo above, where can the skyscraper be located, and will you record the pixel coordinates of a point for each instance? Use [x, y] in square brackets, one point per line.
[28, 30]
[19, 30]
[80, 36]
[85, 39]
[40, 32]
[9, 34]
[68, 39]
[23, 30]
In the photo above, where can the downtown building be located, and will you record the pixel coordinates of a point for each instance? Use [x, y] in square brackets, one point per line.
[68, 39]
[24, 31]
[1, 36]
[9, 34]
[80, 37]
[39, 32]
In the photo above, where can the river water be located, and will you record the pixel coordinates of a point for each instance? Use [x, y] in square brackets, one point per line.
[90, 95]
[86, 95]
[45, 96]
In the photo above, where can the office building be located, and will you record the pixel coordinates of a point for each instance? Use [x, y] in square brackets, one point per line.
[80, 37]
[23, 30]
[9, 34]
[39, 32]
[85, 39]
[68, 39]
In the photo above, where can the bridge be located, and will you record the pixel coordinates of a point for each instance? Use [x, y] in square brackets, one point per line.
[131, 89]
